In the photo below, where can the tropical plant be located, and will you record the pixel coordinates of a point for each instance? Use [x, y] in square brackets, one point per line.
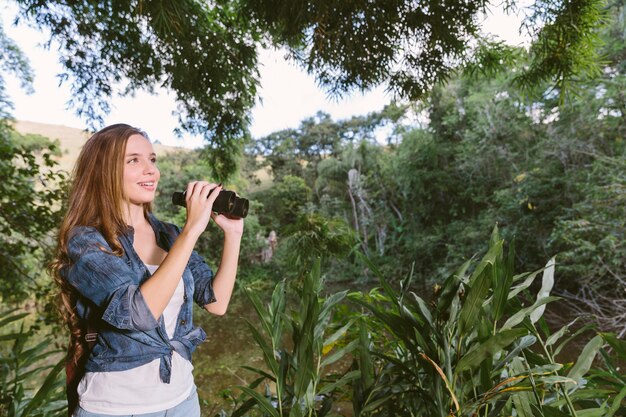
[31, 379]
[301, 371]
[477, 349]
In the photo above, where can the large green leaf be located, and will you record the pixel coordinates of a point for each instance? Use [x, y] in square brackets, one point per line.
[553, 338]
[488, 349]
[617, 402]
[345, 379]
[471, 311]
[520, 315]
[585, 359]
[522, 400]
[502, 287]
[547, 282]
[261, 401]
[619, 345]
[451, 287]
[49, 384]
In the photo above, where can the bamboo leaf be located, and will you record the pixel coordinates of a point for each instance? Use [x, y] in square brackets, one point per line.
[501, 290]
[522, 400]
[350, 376]
[472, 307]
[548, 411]
[259, 371]
[525, 284]
[13, 318]
[572, 337]
[423, 309]
[451, 287]
[619, 345]
[591, 412]
[488, 349]
[331, 340]
[49, 384]
[617, 402]
[339, 353]
[261, 401]
[518, 317]
[583, 364]
[268, 352]
[523, 343]
[556, 336]
[261, 312]
[547, 282]
[556, 379]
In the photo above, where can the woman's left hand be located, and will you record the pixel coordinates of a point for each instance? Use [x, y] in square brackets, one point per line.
[230, 226]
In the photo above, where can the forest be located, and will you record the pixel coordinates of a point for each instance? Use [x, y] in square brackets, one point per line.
[460, 252]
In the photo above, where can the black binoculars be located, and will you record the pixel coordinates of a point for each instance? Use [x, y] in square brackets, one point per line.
[227, 202]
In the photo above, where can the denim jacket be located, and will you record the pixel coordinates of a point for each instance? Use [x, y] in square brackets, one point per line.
[128, 334]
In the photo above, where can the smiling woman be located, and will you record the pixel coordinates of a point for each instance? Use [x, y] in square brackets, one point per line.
[127, 282]
[141, 174]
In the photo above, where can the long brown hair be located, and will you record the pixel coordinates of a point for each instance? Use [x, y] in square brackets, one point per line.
[95, 199]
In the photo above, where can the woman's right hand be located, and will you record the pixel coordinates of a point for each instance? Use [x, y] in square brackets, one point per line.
[200, 205]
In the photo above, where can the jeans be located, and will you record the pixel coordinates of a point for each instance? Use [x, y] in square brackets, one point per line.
[188, 408]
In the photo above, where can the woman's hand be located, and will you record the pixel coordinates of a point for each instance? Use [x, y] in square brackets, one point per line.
[230, 226]
[200, 205]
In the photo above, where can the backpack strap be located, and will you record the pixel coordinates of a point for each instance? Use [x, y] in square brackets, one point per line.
[75, 370]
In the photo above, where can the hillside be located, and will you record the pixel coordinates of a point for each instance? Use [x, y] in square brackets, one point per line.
[71, 140]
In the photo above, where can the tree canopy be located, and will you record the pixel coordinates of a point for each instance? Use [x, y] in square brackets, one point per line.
[206, 53]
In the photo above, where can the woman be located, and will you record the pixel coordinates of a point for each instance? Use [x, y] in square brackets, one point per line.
[131, 279]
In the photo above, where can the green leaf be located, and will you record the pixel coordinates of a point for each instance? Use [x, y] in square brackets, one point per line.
[339, 353]
[488, 349]
[521, 287]
[523, 400]
[547, 282]
[518, 317]
[350, 376]
[48, 385]
[501, 290]
[556, 336]
[268, 352]
[592, 412]
[338, 334]
[556, 379]
[551, 412]
[451, 287]
[523, 343]
[423, 307]
[583, 364]
[617, 402]
[472, 307]
[619, 345]
[13, 318]
[261, 401]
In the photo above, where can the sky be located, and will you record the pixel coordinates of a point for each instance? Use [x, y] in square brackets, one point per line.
[287, 94]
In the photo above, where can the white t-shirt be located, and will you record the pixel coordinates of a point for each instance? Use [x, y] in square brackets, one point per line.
[140, 390]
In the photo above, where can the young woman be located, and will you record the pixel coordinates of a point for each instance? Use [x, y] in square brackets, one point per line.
[131, 280]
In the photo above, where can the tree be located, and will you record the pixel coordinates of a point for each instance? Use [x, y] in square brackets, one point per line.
[206, 53]
[411, 46]
[29, 201]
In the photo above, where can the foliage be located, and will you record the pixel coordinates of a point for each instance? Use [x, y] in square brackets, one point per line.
[31, 384]
[312, 237]
[361, 44]
[29, 210]
[303, 372]
[284, 202]
[476, 349]
[204, 54]
[549, 175]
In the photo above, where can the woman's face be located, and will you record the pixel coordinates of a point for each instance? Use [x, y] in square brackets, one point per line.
[141, 175]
